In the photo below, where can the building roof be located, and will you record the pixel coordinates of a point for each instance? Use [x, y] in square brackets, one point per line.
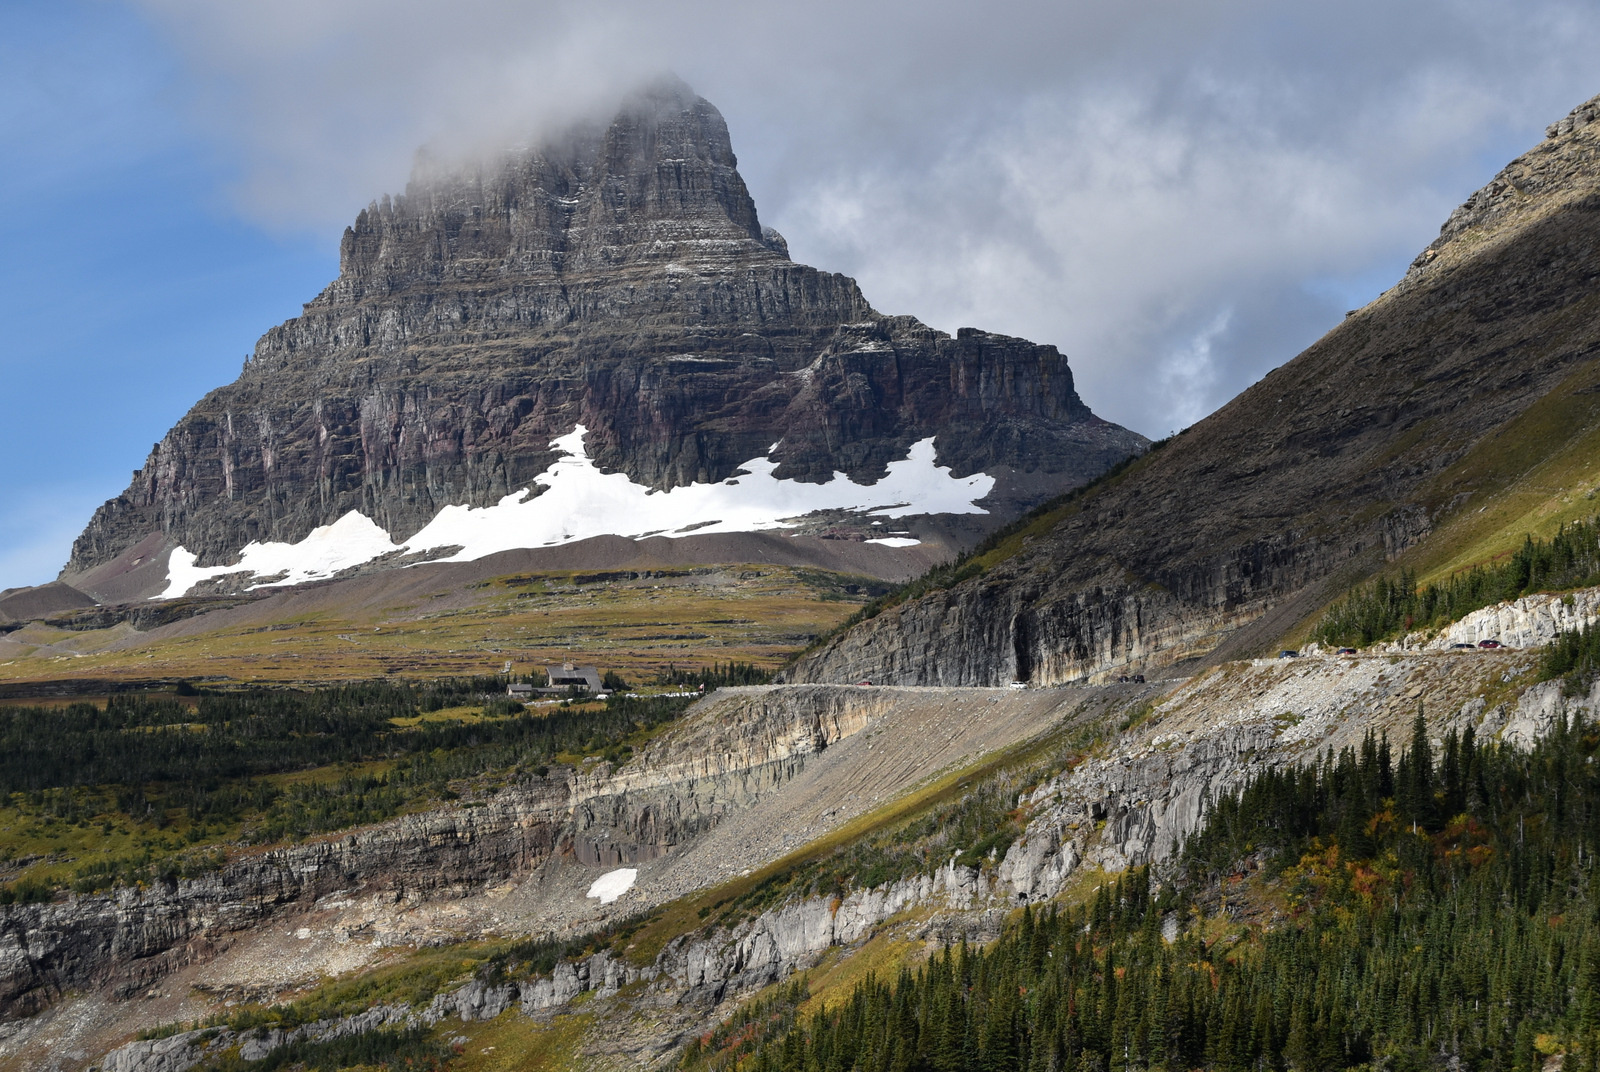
[587, 677]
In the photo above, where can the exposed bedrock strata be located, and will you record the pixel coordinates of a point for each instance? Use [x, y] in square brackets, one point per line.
[1132, 803]
[128, 940]
[730, 752]
[1402, 417]
[618, 278]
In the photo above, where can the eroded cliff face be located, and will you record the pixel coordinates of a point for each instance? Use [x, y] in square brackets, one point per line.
[730, 756]
[1412, 411]
[129, 940]
[617, 278]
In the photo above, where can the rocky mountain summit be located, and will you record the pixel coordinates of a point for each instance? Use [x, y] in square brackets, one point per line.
[1430, 411]
[617, 281]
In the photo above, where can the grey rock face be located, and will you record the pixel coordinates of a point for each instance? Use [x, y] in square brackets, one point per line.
[618, 278]
[133, 937]
[1545, 172]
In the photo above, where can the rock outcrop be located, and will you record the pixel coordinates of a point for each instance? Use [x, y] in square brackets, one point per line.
[617, 278]
[1412, 411]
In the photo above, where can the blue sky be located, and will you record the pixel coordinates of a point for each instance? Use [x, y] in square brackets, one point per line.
[130, 285]
[1180, 194]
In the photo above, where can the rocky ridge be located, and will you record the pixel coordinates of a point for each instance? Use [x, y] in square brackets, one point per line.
[128, 940]
[748, 776]
[1338, 461]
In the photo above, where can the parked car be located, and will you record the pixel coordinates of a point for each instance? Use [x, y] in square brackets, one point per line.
[1346, 651]
[1467, 646]
[1288, 653]
[1489, 644]
[863, 682]
[1138, 679]
[1018, 685]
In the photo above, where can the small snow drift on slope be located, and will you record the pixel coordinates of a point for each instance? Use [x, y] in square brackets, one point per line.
[579, 501]
[613, 884]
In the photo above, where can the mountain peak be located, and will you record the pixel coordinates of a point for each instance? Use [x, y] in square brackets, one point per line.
[614, 278]
[1543, 180]
[658, 185]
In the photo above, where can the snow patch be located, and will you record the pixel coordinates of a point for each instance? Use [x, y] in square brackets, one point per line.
[579, 501]
[895, 541]
[613, 884]
[349, 541]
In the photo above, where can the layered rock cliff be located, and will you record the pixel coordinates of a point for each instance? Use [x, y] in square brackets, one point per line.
[726, 756]
[1447, 390]
[617, 278]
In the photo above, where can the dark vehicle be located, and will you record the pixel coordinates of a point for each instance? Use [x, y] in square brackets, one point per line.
[1288, 653]
[1138, 679]
[1346, 651]
[1467, 646]
[1489, 644]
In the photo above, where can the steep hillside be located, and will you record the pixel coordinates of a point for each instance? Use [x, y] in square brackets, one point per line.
[594, 336]
[842, 832]
[1463, 404]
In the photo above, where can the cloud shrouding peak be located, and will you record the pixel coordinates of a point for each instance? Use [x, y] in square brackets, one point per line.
[1179, 195]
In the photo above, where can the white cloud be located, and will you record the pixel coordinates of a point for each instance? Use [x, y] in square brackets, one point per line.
[1107, 177]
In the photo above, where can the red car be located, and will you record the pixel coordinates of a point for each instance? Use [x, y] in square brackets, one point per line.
[1489, 644]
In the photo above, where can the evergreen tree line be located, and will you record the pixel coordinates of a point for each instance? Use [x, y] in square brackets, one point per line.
[1388, 607]
[1445, 905]
[1575, 658]
[159, 760]
[715, 676]
[410, 1049]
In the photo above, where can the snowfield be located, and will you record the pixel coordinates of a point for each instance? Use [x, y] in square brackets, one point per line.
[613, 884]
[579, 501]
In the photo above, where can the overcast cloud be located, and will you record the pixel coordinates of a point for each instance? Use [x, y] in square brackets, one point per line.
[1181, 195]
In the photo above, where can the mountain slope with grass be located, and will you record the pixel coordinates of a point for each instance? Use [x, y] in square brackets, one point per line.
[1204, 817]
[1435, 427]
